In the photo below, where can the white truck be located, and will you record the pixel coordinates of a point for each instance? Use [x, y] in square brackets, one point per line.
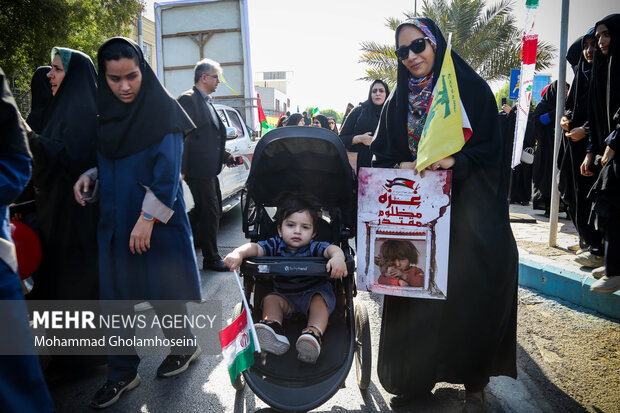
[190, 30]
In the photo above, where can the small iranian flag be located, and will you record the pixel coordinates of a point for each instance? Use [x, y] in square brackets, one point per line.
[237, 346]
[262, 119]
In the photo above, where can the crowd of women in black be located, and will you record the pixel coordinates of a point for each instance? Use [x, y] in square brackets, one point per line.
[138, 137]
[587, 166]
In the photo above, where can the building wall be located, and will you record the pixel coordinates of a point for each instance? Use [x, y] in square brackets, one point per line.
[274, 102]
[148, 40]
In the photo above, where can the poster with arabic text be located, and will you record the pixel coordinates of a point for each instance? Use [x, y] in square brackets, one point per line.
[403, 232]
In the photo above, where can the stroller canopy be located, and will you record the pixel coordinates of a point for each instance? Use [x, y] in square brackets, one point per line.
[301, 159]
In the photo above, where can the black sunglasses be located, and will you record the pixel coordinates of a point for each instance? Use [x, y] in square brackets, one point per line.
[417, 46]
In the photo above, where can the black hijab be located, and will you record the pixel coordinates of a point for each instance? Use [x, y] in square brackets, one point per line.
[576, 107]
[551, 94]
[68, 137]
[12, 136]
[323, 120]
[41, 96]
[369, 105]
[604, 94]
[574, 53]
[125, 129]
[294, 119]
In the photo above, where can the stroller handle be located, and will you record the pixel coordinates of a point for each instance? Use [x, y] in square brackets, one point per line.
[290, 266]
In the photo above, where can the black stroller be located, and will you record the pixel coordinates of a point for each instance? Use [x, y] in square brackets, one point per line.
[311, 161]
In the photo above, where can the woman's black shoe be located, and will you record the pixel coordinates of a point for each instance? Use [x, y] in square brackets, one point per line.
[216, 265]
[401, 400]
[474, 402]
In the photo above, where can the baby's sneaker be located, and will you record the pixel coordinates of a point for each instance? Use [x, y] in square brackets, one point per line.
[309, 345]
[271, 337]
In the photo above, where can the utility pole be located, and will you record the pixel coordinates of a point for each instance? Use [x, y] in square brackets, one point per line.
[559, 112]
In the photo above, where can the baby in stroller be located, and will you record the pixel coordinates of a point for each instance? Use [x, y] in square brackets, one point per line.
[296, 219]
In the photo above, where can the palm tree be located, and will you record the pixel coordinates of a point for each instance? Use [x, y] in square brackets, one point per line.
[486, 37]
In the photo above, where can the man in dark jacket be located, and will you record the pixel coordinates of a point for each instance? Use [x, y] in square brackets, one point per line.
[204, 154]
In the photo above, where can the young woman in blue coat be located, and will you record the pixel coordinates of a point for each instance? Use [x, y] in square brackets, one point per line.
[145, 244]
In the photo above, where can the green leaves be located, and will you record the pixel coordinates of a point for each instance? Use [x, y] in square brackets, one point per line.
[30, 28]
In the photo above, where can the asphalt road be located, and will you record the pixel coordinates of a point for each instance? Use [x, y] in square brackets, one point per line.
[205, 387]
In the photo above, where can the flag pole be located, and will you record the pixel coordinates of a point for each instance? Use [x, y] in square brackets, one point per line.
[560, 101]
[248, 313]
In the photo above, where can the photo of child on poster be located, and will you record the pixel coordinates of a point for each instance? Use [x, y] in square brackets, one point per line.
[397, 260]
[403, 232]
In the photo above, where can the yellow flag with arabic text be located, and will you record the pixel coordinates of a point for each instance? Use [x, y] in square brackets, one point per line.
[447, 127]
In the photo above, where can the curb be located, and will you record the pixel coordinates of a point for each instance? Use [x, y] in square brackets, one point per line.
[571, 285]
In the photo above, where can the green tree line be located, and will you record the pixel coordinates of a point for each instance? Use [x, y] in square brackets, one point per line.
[30, 28]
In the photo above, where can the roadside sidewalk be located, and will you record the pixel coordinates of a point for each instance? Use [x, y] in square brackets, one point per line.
[552, 270]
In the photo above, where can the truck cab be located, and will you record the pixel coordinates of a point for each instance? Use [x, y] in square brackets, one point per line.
[240, 144]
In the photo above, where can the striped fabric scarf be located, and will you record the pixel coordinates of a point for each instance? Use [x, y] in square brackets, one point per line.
[420, 91]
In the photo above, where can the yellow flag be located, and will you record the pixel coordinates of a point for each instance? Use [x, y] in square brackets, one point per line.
[443, 131]
[223, 79]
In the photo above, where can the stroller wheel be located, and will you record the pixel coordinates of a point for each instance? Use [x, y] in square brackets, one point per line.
[363, 349]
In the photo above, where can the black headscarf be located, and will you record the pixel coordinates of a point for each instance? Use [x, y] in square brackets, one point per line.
[551, 94]
[323, 120]
[574, 53]
[12, 136]
[67, 139]
[604, 95]
[294, 119]
[125, 129]
[369, 104]
[576, 107]
[41, 97]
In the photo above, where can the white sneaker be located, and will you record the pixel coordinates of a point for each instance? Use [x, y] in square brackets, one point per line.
[271, 337]
[606, 285]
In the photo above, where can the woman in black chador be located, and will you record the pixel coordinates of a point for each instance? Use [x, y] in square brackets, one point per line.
[519, 179]
[544, 130]
[573, 186]
[40, 99]
[357, 131]
[604, 117]
[63, 150]
[471, 335]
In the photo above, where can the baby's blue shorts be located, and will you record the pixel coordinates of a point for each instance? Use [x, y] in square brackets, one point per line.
[300, 302]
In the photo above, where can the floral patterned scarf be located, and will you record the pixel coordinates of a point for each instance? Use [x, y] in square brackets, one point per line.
[420, 90]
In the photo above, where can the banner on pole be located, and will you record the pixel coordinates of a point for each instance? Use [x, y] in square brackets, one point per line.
[529, 46]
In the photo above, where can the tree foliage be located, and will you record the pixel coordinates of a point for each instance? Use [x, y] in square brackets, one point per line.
[30, 28]
[485, 37]
[332, 113]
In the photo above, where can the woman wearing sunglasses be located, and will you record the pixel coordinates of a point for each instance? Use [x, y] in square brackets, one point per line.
[471, 335]
[331, 122]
